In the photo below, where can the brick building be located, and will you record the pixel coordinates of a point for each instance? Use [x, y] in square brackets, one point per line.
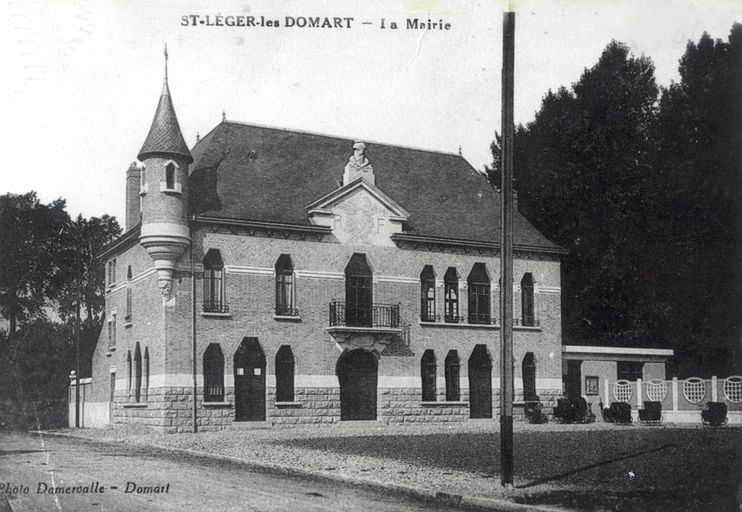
[316, 280]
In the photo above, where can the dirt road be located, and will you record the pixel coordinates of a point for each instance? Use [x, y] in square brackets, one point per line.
[51, 473]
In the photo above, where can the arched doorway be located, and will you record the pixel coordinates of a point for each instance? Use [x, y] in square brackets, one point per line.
[249, 381]
[356, 371]
[480, 383]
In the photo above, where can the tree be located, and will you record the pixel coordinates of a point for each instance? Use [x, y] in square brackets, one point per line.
[697, 164]
[578, 166]
[82, 274]
[33, 233]
[34, 379]
[644, 190]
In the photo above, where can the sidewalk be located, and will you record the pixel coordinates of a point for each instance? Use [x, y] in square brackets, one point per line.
[584, 467]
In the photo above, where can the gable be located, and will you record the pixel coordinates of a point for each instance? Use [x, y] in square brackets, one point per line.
[359, 214]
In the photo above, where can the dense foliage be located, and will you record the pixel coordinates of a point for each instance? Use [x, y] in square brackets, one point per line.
[49, 270]
[642, 185]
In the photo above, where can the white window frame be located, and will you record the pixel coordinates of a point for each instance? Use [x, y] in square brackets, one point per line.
[177, 186]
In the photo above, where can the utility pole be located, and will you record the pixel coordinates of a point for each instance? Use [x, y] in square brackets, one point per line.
[506, 257]
[77, 364]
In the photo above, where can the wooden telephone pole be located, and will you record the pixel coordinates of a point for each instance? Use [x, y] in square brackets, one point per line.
[506, 257]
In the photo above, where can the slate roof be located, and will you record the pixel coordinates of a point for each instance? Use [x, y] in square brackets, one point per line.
[266, 174]
[164, 135]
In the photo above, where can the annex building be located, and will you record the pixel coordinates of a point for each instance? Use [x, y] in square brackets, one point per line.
[313, 279]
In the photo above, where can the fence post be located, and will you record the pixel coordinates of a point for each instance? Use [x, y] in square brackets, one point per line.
[607, 396]
[714, 391]
[674, 394]
[639, 393]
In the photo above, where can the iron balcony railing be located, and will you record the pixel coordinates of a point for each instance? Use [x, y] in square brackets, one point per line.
[375, 315]
[473, 318]
[480, 318]
[529, 322]
[286, 311]
[215, 306]
[452, 319]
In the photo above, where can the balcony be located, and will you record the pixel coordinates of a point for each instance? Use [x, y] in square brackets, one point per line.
[370, 327]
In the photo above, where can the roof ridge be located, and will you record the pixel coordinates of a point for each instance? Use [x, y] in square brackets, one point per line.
[337, 137]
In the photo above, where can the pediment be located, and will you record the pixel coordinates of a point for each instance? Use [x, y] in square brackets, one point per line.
[336, 196]
[359, 214]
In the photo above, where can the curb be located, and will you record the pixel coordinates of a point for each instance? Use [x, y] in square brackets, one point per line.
[460, 501]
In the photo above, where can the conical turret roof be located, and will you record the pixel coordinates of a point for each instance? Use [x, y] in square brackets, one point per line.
[164, 134]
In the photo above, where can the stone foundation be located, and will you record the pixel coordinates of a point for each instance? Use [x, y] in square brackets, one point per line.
[169, 410]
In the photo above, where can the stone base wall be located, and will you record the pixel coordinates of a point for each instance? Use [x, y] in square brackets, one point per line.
[169, 410]
[310, 406]
[405, 405]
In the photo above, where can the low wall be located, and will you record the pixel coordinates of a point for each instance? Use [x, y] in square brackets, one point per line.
[682, 400]
[92, 414]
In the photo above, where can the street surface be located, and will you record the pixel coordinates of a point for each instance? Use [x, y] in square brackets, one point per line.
[183, 482]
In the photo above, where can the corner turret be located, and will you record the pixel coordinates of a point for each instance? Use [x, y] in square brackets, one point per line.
[165, 234]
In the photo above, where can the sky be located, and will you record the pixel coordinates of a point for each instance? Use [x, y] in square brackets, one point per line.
[82, 77]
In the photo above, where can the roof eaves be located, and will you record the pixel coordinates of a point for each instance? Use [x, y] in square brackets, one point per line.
[458, 242]
[124, 240]
[223, 221]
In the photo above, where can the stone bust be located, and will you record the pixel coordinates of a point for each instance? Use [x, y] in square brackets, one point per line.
[358, 160]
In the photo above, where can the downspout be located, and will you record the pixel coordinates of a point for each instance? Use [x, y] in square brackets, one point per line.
[193, 341]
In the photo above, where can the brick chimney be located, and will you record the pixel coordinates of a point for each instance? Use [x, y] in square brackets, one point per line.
[133, 176]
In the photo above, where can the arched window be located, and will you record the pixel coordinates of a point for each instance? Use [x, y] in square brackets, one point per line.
[428, 374]
[479, 295]
[145, 391]
[527, 302]
[170, 176]
[451, 295]
[285, 286]
[284, 374]
[142, 184]
[213, 373]
[214, 283]
[137, 373]
[452, 376]
[358, 292]
[128, 372]
[528, 371]
[427, 294]
[127, 318]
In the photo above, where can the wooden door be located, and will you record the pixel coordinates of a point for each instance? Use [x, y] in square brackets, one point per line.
[574, 379]
[357, 374]
[480, 383]
[249, 381]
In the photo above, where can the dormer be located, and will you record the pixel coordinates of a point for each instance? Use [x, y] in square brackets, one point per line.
[358, 212]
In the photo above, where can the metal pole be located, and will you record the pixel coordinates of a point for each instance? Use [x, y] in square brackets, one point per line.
[193, 342]
[77, 367]
[506, 258]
